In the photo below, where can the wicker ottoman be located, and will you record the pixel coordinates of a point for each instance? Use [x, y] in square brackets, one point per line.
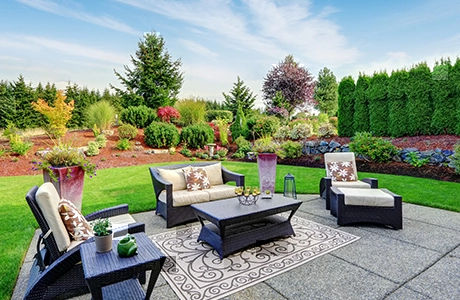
[379, 206]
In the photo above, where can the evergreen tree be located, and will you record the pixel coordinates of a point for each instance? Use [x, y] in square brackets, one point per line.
[240, 126]
[361, 116]
[419, 100]
[397, 101]
[346, 107]
[293, 80]
[444, 116]
[378, 104]
[326, 93]
[454, 79]
[23, 96]
[7, 109]
[155, 80]
[240, 96]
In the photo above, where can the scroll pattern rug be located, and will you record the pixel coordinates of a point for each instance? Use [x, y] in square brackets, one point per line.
[195, 271]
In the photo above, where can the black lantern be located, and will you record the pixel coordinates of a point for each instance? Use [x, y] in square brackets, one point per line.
[289, 186]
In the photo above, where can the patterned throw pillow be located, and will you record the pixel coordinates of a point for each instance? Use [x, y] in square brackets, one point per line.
[76, 224]
[341, 171]
[196, 179]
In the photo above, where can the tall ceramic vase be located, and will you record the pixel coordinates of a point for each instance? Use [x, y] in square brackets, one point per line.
[267, 171]
[69, 184]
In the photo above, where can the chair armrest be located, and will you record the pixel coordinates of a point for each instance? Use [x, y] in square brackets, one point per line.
[373, 182]
[108, 212]
[228, 176]
[159, 184]
[324, 185]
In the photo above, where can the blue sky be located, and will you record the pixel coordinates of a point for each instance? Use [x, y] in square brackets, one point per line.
[82, 42]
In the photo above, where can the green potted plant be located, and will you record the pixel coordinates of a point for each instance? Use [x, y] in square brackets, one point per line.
[102, 235]
[65, 166]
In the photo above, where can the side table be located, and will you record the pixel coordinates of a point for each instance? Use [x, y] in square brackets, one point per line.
[110, 276]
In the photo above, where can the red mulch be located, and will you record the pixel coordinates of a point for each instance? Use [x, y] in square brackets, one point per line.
[110, 157]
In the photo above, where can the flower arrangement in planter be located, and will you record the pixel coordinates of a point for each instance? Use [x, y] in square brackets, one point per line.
[65, 166]
[268, 145]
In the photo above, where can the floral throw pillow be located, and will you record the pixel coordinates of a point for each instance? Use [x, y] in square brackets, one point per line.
[196, 179]
[77, 226]
[341, 171]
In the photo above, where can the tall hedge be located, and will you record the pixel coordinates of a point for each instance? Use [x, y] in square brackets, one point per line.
[419, 104]
[444, 116]
[397, 98]
[454, 79]
[346, 107]
[378, 104]
[361, 116]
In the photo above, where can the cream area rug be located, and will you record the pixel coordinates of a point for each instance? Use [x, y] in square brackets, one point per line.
[195, 271]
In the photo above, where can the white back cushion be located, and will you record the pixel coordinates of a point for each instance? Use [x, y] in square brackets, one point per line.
[174, 176]
[48, 202]
[214, 173]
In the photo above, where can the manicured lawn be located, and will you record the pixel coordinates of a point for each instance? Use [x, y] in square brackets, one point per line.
[132, 185]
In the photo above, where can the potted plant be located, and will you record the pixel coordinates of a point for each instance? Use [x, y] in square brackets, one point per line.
[65, 166]
[102, 235]
[268, 152]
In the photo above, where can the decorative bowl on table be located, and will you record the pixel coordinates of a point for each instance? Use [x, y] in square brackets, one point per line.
[248, 195]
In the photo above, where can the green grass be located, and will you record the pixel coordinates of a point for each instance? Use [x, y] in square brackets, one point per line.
[132, 185]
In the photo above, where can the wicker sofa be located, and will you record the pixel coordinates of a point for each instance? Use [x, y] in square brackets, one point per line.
[173, 198]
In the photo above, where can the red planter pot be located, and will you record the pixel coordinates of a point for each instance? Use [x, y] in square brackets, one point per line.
[267, 171]
[69, 184]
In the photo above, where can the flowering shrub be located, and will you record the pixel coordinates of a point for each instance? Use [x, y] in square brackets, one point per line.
[301, 131]
[64, 155]
[326, 130]
[283, 133]
[167, 113]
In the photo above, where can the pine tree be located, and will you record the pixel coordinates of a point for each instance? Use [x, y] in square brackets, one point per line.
[240, 96]
[326, 93]
[155, 79]
[6, 104]
[23, 96]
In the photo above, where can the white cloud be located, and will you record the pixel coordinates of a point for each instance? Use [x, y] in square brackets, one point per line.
[74, 12]
[199, 49]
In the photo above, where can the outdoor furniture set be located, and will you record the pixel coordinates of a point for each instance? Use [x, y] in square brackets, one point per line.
[57, 270]
[357, 201]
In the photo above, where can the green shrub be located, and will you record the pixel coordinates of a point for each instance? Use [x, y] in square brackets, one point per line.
[140, 116]
[223, 131]
[20, 147]
[93, 148]
[373, 148]
[266, 126]
[455, 158]
[414, 159]
[221, 151]
[198, 135]
[292, 149]
[241, 142]
[161, 135]
[301, 131]
[101, 114]
[186, 152]
[242, 151]
[283, 133]
[101, 140]
[240, 126]
[215, 114]
[123, 144]
[127, 131]
[326, 130]
[192, 111]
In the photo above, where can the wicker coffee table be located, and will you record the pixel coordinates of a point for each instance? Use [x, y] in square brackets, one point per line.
[110, 276]
[233, 226]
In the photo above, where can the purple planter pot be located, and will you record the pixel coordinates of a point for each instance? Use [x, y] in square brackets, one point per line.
[267, 171]
[69, 184]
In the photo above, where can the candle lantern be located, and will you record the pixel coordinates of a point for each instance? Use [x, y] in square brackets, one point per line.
[289, 186]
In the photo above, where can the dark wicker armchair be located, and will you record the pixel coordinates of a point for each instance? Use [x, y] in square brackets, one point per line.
[59, 274]
[175, 215]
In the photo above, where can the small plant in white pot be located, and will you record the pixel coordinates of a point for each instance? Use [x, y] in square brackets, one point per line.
[102, 235]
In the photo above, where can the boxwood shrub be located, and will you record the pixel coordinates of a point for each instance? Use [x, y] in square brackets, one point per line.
[198, 135]
[161, 135]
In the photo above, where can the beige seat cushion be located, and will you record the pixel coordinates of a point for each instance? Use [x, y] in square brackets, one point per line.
[48, 202]
[120, 224]
[367, 197]
[214, 173]
[174, 176]
[358, 184]
[184, 197]
[222, 191]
